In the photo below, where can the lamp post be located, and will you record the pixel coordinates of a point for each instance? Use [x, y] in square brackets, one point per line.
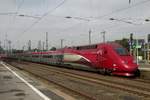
[78, 18]
[22, 15]
[120, 20]
[84, 19]
[129, 22]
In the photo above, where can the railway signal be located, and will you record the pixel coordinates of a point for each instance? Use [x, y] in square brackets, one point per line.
[129, 1]
[148, 38]
[131, 43]
[148, 52]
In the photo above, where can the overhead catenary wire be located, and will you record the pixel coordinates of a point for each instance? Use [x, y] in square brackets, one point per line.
[113, 12]
[40, 18]
[17, 10]
[117, 11]
[14, 17]
[122, 9]
[8, 13]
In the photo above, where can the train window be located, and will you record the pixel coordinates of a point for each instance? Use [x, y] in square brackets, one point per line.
[50, 56]
[35, 55]
[121, 51]
[86, 47]
[47, 56]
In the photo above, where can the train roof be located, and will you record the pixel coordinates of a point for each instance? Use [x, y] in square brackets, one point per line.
[83, 47]
[114, 44]
[95, 46]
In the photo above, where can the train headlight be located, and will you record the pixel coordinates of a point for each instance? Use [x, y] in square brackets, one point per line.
[126, 66]
[114, 65]
[124, 62]
[114, 69]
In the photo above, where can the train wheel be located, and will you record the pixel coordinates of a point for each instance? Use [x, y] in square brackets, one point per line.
[137, 73]
[102, 71]
[108, 72]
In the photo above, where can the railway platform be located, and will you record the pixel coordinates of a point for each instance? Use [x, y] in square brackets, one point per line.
[145, 70]
[16, 87]
[144, 66]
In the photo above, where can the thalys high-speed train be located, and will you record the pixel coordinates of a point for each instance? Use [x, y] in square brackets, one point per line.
[107, 58]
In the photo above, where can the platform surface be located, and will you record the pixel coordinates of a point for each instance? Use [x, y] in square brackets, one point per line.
[14, 88]
[144, 66]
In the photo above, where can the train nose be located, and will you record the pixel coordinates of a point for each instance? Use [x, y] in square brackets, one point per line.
[130, 68]
[129, 65]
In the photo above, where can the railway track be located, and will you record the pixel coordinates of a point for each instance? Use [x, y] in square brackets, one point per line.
[142, 80]
[122, 86]
[130, 88]
[41, 74]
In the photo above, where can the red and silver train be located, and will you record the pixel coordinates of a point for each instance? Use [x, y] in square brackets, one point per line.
[107, 58]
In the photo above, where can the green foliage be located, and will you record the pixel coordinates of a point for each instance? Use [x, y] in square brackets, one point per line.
[1, 50]
[53, 48]
[124, 43]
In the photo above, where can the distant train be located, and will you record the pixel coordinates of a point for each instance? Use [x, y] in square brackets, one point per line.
[106, 58]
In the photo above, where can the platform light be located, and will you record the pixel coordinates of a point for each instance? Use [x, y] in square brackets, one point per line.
[147, 20]
[68, 17]
[36, 17]
[111, 19]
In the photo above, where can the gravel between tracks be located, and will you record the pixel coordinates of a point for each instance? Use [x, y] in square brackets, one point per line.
[98, 92]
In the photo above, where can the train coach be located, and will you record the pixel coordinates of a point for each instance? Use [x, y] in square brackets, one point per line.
[106, 58]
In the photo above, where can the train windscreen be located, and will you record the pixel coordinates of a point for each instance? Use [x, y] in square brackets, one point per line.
[122, 51]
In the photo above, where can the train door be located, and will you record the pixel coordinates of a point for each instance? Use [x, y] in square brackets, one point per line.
[102, 58]
[105, 58]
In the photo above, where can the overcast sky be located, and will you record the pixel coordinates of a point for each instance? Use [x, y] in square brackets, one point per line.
[41, 16]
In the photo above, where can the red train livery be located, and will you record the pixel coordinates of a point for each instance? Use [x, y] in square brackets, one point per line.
[110, 58]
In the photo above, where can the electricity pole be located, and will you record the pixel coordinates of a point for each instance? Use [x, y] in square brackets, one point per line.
[29, 45]
[137, 52]
[144, 51]
[9, 45]
[90, 36]
[23, 48]
[131, 43]
[6, 41]
[148, 54]
[47, 41]
[39, 45]
[43, 45]
[103, 33]
[62, 40]
[0, 47]
[129, 1]
[148, 51]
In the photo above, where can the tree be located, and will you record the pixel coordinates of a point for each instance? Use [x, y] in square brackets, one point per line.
[1, 50]
[53, 48]
[124, 42]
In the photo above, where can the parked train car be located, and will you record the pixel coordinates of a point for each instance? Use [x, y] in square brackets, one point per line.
[107, 58]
